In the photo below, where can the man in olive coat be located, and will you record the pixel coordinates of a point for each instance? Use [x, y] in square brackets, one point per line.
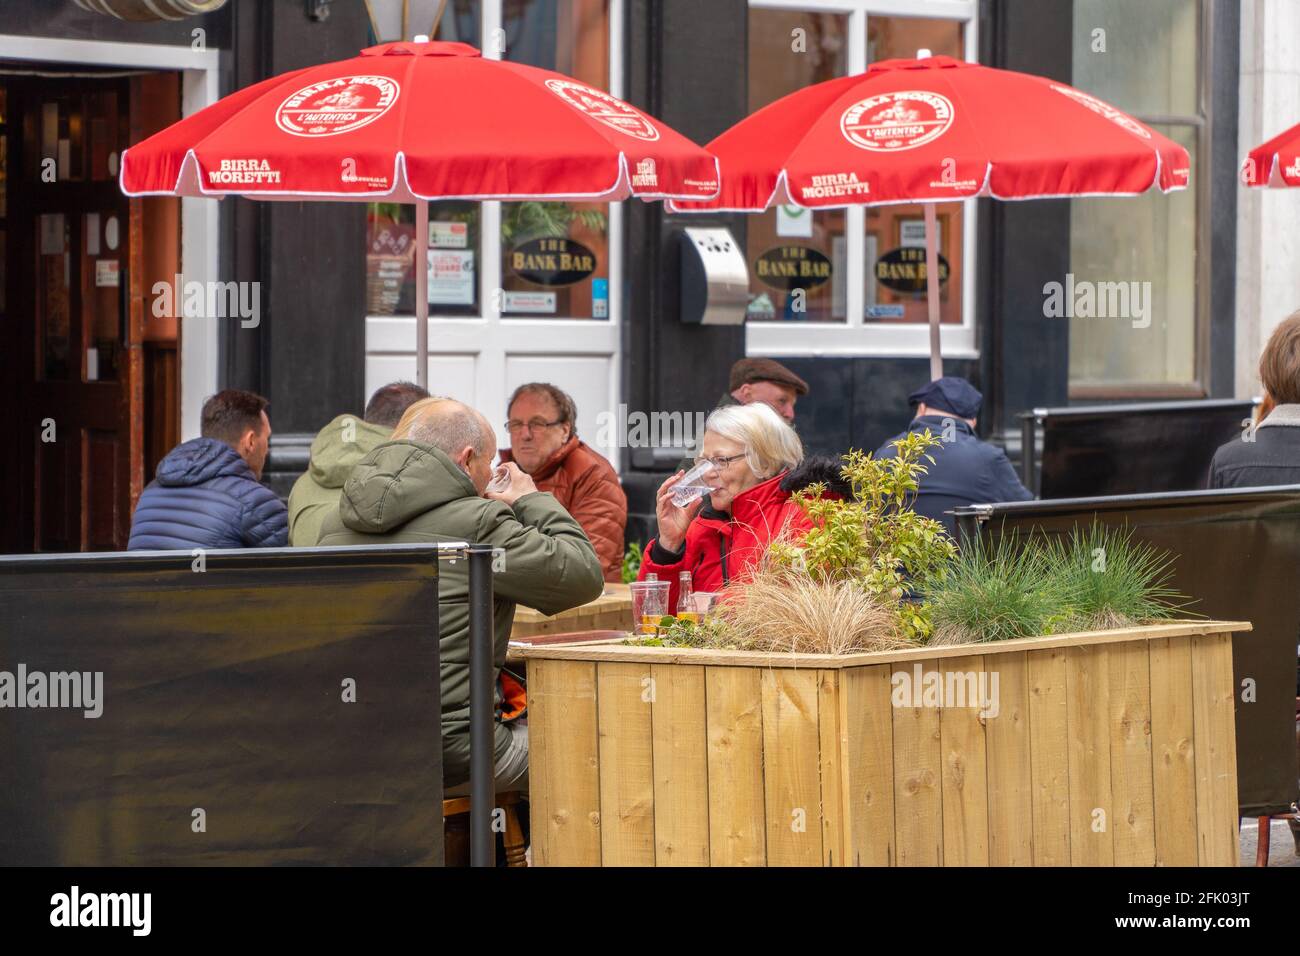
[428, 483]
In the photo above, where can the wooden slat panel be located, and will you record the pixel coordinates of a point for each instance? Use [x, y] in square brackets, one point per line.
[681, 767]
[1092, 809]
[1049, 756]
[627, 821]
[734, 706]
[539, 759]
[1172, 752]
[867, 754]
[918, 798]
[1215, 751]
[1132, 826]
[1006, 735]
[965, 771]
[791, 786]
[832, 778]
[565, 772]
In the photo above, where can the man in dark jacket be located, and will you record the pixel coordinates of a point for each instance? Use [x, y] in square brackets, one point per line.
[208, 493]
[429, 484]
[966, 470]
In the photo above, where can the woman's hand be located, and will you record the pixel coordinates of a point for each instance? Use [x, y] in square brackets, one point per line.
[674, 520]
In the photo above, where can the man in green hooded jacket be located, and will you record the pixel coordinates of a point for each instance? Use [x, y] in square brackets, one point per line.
[337, 447]
[428, 483]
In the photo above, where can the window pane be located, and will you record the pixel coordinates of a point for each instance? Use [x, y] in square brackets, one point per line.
[895, 254]
[452, 263]
[898, 38]
[1144, 248]
[1141, 57]
[896, 274]
[796, 257]
[555, 255]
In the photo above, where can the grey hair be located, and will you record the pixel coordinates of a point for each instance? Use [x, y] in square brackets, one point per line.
[771, 446]
[448, 428]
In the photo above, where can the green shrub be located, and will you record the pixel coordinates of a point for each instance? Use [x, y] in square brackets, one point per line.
[1114, 580]
[998, 592]
[873, 538]
[631, 562]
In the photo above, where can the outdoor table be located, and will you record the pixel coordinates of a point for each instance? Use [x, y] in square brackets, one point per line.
[611, 611]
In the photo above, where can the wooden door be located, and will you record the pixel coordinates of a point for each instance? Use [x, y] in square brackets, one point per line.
[72, 247]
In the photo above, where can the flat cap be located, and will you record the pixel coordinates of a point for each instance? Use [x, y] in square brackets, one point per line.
[764, 370]
[951, 394]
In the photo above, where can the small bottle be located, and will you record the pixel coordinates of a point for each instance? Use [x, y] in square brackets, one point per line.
[686, 610]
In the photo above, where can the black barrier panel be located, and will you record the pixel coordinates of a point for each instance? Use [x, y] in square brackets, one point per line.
[226, 736]
[1128, 449]
[1238, 553]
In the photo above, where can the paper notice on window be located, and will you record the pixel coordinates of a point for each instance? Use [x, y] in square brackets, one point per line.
[532, 302]
[911, 232]
[451, 277]
[448, 235]
[794, 222]
[106, 274]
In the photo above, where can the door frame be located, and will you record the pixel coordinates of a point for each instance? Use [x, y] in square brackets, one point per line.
[200, 218]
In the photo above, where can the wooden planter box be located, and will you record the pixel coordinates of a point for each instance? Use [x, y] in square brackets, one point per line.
[1098, 749]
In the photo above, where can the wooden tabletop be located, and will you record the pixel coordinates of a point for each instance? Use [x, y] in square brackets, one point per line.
[611, 611]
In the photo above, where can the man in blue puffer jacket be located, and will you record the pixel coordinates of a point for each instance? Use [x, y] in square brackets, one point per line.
[208, 491]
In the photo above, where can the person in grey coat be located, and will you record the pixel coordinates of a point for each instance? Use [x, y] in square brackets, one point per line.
[1269, 453]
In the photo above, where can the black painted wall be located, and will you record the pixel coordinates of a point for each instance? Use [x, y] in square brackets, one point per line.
[308, 354]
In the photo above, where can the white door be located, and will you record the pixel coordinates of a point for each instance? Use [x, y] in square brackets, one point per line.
[500, 313]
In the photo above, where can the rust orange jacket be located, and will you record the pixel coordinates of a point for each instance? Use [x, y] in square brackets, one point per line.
[584, 482]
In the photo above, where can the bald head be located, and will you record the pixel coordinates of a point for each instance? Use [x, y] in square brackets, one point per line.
[455, 429]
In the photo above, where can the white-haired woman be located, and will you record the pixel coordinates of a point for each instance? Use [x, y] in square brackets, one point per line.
[757, 465]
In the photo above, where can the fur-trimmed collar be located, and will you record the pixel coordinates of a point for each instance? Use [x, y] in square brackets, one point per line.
[813, 469]
[1283, 415]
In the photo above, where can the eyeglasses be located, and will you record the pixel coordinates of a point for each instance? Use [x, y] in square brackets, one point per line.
[719, 462]
[535, 424]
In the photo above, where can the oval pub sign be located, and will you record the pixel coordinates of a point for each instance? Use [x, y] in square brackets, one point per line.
[555, 261]
[792, 267]
[903, 269]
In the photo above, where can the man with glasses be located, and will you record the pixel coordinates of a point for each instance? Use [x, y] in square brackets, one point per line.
[544, 444]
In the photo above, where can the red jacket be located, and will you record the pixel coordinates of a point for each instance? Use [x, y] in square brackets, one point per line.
[584, 482]
[719, 549]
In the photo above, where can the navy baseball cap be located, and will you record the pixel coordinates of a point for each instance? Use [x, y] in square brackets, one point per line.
[950, 393]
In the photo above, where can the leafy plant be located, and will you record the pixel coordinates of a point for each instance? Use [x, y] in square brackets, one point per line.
[546, 220]
[998, 592]
[631, 562]
[1114, 580]
[873, 538]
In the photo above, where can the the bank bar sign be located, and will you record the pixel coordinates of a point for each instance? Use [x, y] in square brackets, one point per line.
[552, 262]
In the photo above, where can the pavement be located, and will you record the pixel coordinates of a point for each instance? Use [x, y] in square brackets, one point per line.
[1281, 845]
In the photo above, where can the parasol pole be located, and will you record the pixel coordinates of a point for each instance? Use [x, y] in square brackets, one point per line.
[422, 294]
[932, 289]
[932, 275]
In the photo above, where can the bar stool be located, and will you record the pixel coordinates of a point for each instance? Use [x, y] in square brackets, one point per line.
[513, 837]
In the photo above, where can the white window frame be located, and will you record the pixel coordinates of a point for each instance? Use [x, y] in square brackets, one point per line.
[856, 336]
[490, 337]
